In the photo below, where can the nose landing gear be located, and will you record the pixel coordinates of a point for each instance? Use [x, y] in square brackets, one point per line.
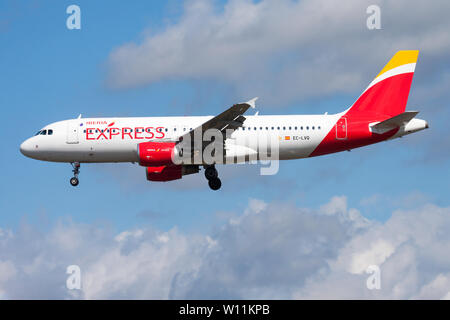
[212, 177]
[76, 170]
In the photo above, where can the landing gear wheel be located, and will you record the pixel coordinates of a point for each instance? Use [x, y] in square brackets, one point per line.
[74, 181]
[76, 171]
[211, 173]
[215, 183]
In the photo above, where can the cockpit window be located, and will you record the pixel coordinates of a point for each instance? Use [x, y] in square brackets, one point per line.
[45, 132]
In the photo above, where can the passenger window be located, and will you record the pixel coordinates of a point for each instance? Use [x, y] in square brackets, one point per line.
[307, 128]
[312, 127]
[284, 128]
[318, 127]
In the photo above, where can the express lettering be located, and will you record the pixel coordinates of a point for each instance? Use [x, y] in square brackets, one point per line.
[125, 133]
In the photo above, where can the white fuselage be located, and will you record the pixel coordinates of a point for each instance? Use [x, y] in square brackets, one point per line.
[82, 140]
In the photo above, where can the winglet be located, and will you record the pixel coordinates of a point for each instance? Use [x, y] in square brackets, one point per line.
[252, 103]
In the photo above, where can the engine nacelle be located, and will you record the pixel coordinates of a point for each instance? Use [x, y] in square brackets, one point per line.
[164, 173]
[156, 154]
[169, 173]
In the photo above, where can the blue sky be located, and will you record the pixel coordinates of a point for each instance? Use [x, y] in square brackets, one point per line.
[50, 73]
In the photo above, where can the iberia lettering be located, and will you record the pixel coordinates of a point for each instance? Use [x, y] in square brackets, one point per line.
[96, 122]
[125, 133]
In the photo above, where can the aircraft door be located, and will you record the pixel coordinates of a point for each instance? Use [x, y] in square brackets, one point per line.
[72, 132]
[341, 129]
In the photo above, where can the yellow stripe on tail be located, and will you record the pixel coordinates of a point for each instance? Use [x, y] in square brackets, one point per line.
[401, 58]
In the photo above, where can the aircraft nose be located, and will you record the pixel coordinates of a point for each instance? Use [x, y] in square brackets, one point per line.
[26, 148]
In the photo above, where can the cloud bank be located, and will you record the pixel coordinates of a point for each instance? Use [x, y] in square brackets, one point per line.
[270, 250]
[284, 50]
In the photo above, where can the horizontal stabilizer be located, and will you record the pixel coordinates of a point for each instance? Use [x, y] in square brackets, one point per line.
[394, 122]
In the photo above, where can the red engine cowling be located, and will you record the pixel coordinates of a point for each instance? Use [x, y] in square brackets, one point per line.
[156, 154]
[164, 173]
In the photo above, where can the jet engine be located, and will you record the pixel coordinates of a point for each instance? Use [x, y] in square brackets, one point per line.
[156, 154]
[170, 172]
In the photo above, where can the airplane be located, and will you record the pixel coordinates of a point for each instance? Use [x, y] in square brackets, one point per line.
[377, 115]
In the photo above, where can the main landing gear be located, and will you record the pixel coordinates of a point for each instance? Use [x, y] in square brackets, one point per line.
[76, 170]
[212, 176]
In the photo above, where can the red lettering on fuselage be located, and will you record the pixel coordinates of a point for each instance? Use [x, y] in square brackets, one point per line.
[102, 134]
[88, 133]
[138, 131]
[149, 131]
[160, 130]
[126, 133]
[96, 122]
[113, 132]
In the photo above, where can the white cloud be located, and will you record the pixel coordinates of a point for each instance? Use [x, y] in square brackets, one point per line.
[439, 286]
[376, 254]
[271, 250]
[410, 250]
[447, 296]
[284, 50]
[7, 270]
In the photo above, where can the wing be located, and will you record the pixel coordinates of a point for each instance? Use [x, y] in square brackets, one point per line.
[226, 122]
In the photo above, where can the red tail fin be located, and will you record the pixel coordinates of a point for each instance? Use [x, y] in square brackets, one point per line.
[388, 93]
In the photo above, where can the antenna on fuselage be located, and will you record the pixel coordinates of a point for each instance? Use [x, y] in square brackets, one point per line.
[79, 117]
